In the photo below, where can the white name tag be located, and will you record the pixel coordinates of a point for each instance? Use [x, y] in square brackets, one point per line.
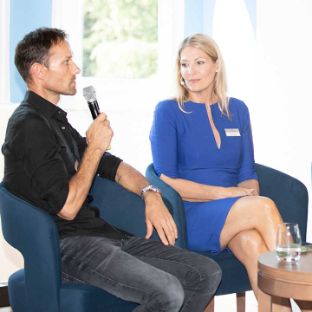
[232, 132]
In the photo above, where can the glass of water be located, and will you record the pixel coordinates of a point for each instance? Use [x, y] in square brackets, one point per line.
[288, 244]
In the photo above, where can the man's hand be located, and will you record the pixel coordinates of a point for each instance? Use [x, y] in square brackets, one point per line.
[156, 213]
[99, 134]
[157, 216]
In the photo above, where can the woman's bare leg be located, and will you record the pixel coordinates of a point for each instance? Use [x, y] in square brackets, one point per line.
[247, 246]
[249, 230]
[252, 213]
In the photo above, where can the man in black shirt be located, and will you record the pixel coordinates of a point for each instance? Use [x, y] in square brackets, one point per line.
[48, 163]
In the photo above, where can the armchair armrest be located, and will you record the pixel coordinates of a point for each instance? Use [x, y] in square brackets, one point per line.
[120, 207]
[173, 201]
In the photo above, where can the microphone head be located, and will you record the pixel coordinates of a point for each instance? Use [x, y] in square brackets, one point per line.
[89, 93]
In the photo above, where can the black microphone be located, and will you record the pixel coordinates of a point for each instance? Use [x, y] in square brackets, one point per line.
[90, 96]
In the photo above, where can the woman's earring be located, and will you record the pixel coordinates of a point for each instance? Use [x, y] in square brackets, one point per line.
[182, 83]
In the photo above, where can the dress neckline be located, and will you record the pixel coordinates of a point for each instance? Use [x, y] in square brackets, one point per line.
[200, 103]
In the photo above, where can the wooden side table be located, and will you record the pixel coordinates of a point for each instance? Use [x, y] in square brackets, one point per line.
[277, 279]
[4, 296]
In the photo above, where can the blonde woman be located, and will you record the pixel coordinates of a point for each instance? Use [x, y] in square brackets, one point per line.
[202, 147]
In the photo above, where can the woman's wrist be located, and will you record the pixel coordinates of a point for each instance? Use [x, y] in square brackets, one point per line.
[222, 192]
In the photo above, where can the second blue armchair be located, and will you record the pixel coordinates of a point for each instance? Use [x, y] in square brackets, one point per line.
[290, 196]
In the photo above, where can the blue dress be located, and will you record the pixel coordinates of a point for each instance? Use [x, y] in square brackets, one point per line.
[183, 146]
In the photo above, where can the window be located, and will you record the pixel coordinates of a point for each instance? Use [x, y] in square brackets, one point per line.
[126, 50]
[120, 38]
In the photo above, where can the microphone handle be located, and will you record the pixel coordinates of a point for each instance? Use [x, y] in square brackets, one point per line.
[94, 108]
[95, 111]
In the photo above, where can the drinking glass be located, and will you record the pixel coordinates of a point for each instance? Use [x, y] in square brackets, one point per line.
[288, 244]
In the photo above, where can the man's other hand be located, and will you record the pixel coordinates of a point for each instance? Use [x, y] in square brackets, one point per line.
[157, 216]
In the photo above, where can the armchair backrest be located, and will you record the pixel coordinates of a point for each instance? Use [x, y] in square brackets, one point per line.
[33, 233]
[289, 194]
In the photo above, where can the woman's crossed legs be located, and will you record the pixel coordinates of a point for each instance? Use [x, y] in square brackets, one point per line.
[250, 230]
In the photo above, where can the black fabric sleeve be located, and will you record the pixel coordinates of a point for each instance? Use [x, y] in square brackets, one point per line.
[108, 166]
[109, 163]
[36, 144]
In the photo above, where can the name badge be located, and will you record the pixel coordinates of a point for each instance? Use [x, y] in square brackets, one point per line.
[232, 132]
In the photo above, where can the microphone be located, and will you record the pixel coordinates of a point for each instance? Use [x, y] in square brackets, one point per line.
[90, 96]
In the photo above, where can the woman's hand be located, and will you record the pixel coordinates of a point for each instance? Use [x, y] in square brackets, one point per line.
[198, 192]
[237, 191]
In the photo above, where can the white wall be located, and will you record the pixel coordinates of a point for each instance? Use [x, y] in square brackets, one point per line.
[271, 71]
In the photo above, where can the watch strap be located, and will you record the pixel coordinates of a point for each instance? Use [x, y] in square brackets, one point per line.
[150, 188]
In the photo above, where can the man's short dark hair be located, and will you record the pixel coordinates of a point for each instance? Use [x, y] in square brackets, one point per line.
[34, 48]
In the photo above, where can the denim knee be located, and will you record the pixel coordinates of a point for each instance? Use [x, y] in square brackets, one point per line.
[171, 297]
[210, 277]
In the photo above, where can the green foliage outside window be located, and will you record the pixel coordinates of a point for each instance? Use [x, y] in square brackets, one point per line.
[120, 38]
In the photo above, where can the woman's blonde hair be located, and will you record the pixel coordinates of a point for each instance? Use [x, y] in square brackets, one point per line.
[207, 45]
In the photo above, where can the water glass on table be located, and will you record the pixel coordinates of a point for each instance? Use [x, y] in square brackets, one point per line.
[288, 243]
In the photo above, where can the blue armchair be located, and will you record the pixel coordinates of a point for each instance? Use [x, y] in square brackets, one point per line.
[290, 196]
[38, 287]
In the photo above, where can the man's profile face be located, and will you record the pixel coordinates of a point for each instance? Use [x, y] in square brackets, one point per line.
[60, 73]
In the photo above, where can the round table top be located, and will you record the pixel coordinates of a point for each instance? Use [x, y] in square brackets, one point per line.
[272, 268]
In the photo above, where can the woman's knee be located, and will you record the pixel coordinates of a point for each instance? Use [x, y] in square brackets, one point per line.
[268, 208]
[268, 204]
[252, 208]
[248, 242]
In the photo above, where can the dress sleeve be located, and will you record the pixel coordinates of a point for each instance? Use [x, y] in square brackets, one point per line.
[247, 169]
[163, 137]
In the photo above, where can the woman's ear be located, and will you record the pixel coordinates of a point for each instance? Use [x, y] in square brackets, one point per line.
[217, 66]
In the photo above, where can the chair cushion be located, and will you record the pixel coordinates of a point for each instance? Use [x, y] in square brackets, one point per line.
[74, 297]
[85, 298]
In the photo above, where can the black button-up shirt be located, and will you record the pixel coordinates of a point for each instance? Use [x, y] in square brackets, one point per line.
[41, 153]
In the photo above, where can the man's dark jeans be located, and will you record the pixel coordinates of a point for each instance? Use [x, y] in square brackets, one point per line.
[158, 277]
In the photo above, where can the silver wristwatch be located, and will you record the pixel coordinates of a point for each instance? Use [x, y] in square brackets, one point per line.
[150, 188]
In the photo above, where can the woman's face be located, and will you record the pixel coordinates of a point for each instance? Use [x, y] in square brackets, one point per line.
[198, 71]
